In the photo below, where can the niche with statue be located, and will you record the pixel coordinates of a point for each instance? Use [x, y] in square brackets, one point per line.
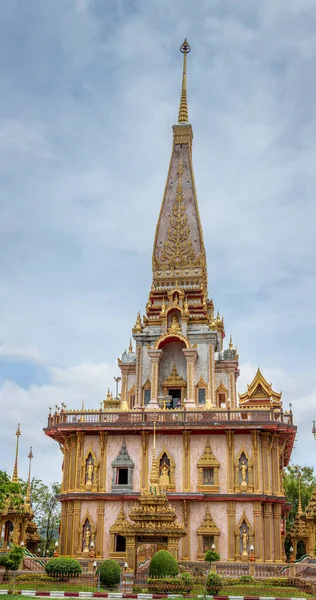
[243, 473]
[89, 474]
[166, 471]
[86, 537]
[243, 539]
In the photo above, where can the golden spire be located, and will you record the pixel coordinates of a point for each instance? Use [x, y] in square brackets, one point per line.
[28, 489]
[130, 348]
[231, 342]
[154, 488]
[299, 508]
[15, 478]
[183, 116]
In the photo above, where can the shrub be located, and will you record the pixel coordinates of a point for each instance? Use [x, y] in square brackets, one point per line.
[211, 556]
[3, 558]
[12, 561]
[63, 565]
[246, 579]
[137, 589]
[36, 577]
[110, 573]
[171, 585]
[213, 583]
[163, 564]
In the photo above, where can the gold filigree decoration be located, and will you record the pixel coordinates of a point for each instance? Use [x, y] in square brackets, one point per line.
[178, 249]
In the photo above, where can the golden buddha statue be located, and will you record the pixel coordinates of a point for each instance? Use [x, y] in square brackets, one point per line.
[164, 479]
[175, 325]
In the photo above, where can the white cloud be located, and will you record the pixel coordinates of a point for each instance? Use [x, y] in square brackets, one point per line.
[85, 143]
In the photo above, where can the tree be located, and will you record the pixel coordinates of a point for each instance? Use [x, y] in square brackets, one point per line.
[9, 490]
[308, 482]
[47, 510]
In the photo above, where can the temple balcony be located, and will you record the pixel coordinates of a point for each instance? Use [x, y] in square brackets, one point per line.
[66, 421]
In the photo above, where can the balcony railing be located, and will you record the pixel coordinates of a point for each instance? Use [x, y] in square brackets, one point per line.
[163, 418]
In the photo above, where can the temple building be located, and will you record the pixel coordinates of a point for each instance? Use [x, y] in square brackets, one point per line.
[177, 460]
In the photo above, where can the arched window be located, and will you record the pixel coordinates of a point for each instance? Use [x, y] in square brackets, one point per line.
[201, 391]
[221, 396]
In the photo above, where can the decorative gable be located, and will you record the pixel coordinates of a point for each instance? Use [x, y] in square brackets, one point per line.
[260, 394]
[208, 467]
[122, 478]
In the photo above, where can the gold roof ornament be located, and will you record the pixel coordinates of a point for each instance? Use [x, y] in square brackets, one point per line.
[260, 393]
[183, 115]
[138, 328]
[28, 489]
[130, 347]
[15, 477]
[231, 346]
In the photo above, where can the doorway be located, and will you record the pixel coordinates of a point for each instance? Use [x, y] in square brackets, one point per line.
[176, 398]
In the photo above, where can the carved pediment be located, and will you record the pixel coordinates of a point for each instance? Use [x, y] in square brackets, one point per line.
[123, 459]
[208, 459]
[260, 393]
[208, 526]
[174, 379]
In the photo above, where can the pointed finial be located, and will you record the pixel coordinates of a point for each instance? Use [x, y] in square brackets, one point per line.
[138, 325]
[299, 508]
[28, 489]
[183, 116]
[15, 478]
[130, 347]
[231, 342]
[154, 488]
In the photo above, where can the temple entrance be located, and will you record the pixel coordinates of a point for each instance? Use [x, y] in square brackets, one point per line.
[175, 398]
[145, 550]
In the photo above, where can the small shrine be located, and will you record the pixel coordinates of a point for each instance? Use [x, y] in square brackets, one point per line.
[16, 517]
[154, 520]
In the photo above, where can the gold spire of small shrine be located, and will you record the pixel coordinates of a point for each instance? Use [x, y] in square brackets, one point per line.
[15, 478]
[130, 347]
[183, 116]
[299, 508]
[154, 479]
[231, 347]
[28, 489]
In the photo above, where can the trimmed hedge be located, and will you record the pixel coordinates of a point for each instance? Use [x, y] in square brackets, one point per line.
[182, 584]
[12, 561]
[163, 564]
[110, 573]
[213, 584]
[63, 565]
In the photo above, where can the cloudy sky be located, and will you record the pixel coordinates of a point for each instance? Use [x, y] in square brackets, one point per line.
[89, 92]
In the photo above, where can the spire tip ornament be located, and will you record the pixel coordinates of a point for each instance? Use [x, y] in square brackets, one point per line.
[183, 115]
[15, 478]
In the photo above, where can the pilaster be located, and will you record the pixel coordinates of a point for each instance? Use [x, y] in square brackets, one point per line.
[268, 532]
[265, 462]
[190, 356]
[155, 356]
[65, 483]
[76, 525]
[231, 515]
[139, 390]
[72, 462]
[144, 462]
[275, 460]
[230, 460]
[69, 527]
[79, 451]
[211, 376]
[256, 461]
[186, 539]
[257, 517]
[103, 455]
[186, 478]
[277, 533]
[100, 529]
[63, 528]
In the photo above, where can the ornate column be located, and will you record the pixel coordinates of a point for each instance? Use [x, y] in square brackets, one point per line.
[138, 386]
[257, 520]
[80, 446]
[103, 454]
[265, 470]
[268, 532]
[275, 463]
[190, 356]
[131, 552]
[277, 533]
[231, 515]
[230, 460]
[210, 401]
[72, 461]
[63, 526]
[256, 461]
[69, 527]
[155, 356]
[100, 529]
[65, 483]
[144, 462]
[76, 524]
[186, 523]
[186, 480]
